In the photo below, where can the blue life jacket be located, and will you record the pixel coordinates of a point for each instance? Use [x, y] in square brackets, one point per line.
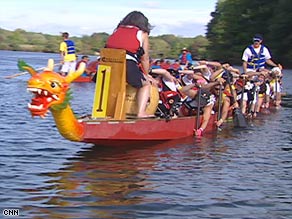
[257, 60]
[70, 46]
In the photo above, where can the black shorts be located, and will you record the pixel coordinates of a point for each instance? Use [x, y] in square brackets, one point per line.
[134, 74]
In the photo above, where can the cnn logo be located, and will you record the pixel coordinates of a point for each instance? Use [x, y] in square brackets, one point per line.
[10, 212]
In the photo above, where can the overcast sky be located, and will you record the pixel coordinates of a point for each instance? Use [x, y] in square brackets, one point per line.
[187, 18]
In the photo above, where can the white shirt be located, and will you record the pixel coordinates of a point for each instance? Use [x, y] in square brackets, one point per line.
[247, 53]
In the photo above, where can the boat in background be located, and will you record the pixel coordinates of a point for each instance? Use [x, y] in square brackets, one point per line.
[83, 79]
[111, 122]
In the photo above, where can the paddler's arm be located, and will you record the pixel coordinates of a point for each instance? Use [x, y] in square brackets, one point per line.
[217, 74]
[273, 64]
[62, 51]
[211, 63]
[213, 83]
[145, 57]
[165, 74]
[244, 67]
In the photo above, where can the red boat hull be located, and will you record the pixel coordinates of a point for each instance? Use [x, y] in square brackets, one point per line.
[83, 79]
[142, 131]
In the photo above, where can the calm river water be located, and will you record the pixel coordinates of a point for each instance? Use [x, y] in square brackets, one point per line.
[231, 174]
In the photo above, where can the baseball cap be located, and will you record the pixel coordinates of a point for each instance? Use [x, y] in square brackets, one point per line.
[258, 37]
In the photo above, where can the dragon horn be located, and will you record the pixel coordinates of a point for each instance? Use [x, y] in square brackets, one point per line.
[23, 66]
[73, 75]
[50, 66]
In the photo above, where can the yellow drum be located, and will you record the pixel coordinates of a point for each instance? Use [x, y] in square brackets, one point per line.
[131, 101]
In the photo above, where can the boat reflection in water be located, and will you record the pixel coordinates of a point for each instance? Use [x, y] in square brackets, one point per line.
[113, 181]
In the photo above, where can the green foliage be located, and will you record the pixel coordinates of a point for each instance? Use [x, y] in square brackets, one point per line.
[234, 23]
[198, 47]
[159, 48]
[165, 46]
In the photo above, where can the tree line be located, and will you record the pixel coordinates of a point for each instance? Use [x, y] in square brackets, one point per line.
[235, 22]
[230, 30]
[164, 46]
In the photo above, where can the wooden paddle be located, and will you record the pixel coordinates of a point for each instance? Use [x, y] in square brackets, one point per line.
[238, 117]
[219, 105]
[242, 93]
[26, 72]
[276, 90]
[198, 107]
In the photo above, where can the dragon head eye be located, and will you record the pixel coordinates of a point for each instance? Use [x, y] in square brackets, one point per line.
[53, 84]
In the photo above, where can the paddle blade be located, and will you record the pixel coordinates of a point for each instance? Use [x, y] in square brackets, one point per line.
[239, 120]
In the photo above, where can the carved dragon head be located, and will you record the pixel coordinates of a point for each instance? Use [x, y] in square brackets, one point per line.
[50, 89]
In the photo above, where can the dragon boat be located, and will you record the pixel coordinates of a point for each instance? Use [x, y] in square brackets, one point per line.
[111, 122]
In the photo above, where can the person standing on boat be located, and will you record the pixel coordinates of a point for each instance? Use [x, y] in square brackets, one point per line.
[185, 58]
[256, 56]
[132, 34]
[68, 55]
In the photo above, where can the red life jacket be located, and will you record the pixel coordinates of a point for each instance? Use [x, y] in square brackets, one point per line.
[175, 66]
[183, 59]
[125, 37]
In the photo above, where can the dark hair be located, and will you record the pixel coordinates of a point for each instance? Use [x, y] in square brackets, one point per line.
[137, 19]
[65, 34]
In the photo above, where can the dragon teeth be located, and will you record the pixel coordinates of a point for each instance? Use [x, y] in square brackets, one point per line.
[40, 91]
[35, 107]
[55, 97]
[32, 89]
[37, 90]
